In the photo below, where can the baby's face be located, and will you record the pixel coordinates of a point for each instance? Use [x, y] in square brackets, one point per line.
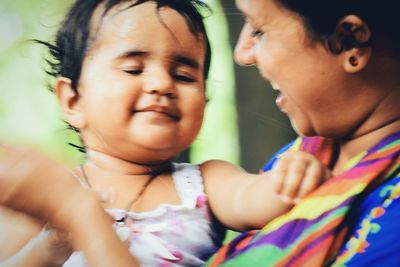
[142, 85]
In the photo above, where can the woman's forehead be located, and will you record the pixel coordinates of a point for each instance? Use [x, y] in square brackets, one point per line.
[257, 10]
[263, 12]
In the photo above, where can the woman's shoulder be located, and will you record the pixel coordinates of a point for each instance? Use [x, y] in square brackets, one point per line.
[375, 233]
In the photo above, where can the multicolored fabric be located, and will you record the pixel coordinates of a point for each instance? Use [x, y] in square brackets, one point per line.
[374, 240]
[313, 231]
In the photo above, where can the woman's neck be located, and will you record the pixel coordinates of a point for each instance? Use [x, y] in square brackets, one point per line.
[358, 143]
[117, 165]
[383, 120]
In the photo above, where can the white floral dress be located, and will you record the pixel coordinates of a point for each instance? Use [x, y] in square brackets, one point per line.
[170, 235]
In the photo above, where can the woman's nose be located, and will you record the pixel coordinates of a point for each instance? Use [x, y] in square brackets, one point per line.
[159, 82]
[245, 50]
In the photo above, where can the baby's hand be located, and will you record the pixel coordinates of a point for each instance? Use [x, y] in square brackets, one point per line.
[41, 187]
[56, 245]
[298, 173]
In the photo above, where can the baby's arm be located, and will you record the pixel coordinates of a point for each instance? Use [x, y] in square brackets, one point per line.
[241, 200]
[43, 188]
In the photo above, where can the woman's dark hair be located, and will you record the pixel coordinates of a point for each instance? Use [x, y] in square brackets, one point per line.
[73, 38]
[321, 19]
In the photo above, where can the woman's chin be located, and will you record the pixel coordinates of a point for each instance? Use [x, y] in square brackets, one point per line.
[302, 129]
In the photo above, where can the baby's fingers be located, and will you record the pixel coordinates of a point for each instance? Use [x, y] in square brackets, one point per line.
[293, 180]
[278, 177]
[279, 173]
[312, 179]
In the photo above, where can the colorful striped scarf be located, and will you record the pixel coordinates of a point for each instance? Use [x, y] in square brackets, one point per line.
[313, 231]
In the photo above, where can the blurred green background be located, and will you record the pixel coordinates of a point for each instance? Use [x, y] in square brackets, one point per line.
[242, 124]
[28, 111]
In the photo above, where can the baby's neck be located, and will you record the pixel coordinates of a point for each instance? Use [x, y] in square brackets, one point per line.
[117, 165]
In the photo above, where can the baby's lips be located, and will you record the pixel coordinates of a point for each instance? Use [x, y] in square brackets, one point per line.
[167, 110]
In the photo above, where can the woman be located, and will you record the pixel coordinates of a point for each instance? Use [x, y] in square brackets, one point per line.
[335, 64]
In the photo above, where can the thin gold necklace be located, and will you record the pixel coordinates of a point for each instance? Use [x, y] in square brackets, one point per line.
[152, 175]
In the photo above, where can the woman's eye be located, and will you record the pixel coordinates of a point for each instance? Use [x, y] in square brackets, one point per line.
[257, 33]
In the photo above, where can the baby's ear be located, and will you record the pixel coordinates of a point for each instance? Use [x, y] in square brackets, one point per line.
[70, 103]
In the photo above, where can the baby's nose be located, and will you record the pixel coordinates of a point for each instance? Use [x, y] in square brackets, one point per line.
[160, 84]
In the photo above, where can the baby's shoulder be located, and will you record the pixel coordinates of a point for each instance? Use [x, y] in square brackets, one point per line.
[218, 166]
[219, 170]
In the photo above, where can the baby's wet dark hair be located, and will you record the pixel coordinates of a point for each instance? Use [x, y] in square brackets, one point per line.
[74, 35]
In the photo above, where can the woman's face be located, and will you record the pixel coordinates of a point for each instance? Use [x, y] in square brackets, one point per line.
[312, 81]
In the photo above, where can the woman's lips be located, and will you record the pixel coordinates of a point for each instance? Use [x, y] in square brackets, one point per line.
[281, 102]
[274, 85]
[281, 99]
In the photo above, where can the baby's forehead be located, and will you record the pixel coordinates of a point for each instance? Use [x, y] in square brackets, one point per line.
[126, 15]
[162, 32]
[102, 13]
[129, 21]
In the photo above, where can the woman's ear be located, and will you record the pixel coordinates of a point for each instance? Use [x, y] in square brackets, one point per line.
[70, 103]
[353, 36]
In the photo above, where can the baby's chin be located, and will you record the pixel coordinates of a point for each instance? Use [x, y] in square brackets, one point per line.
[149, 155]
[137, 153]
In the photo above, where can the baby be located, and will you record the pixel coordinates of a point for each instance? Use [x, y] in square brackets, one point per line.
[131, 81]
